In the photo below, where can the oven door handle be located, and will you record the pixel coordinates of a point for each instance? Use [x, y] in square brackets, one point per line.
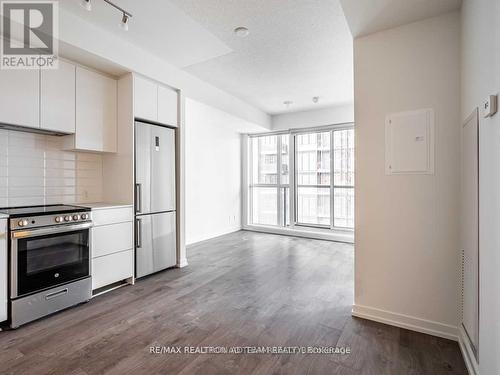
[50, 230]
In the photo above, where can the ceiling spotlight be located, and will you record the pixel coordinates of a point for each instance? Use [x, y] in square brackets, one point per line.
[315, 99]
[124, 23]
[241, 31]
[86, 4]
[288, 103]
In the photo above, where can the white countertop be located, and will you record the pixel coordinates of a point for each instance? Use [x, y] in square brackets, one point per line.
[103, 205]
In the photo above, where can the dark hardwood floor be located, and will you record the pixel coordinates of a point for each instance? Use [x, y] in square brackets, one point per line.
[242, 289]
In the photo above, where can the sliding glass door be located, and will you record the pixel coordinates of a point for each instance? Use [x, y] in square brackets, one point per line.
[302, 178]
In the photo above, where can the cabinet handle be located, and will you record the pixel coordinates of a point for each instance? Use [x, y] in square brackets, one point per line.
[138, 195]
[56, 294]
[138, 233]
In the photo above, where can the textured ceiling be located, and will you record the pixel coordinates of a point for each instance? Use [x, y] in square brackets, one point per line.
[297, 49]
[368, 16]
[157, 26]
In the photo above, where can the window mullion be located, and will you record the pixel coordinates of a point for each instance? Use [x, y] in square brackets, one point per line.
[279, 207]
[332, 180]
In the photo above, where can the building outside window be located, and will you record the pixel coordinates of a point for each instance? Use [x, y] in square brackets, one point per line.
[322, 191]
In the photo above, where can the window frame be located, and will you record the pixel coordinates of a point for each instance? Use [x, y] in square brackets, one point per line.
[292, 180]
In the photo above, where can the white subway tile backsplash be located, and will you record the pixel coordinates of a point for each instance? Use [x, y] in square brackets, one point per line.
[34, 170]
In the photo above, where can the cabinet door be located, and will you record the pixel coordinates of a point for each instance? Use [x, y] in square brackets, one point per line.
[95, 111]
[20, 97]
[145, 99]
[57, 98]
[167, 106]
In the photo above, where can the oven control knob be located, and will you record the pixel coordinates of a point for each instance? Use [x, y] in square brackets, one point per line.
[22, 223]
[85, 216]
[67, 218]
[76, 217]
[59, 219]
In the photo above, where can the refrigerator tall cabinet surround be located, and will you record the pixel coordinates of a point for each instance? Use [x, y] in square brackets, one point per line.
[155, 216]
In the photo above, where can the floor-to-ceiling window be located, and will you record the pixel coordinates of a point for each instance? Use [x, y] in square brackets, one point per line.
[302, 178]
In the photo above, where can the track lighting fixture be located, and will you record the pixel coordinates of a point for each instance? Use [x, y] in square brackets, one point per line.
[124, 23]
[86, 4]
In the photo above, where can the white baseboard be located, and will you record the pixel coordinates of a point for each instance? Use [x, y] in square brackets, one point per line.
[336, 236]
[215, 235]
[467, 352]
[405, 321]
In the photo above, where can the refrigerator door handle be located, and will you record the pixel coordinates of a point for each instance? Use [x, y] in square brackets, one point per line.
[138, 197]
[138, 233]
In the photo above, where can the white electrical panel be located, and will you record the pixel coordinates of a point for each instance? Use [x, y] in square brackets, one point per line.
[409, 142]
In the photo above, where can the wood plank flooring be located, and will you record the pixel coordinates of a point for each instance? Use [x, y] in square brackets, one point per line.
[242, 289]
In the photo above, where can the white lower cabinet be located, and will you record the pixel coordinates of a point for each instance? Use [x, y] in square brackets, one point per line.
[112, 268]
[3, 270]
[109, 239]
[112, 245]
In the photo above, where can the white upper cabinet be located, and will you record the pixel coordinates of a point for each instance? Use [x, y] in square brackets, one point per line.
[145, 99]
[96, 106]
[57, 99]
[20, 97]
[154, 102]
[167, 106]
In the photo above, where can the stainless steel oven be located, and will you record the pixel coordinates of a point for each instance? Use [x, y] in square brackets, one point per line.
[50, 258]
[47, 257]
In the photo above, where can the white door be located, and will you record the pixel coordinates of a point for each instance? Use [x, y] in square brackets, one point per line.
[57, 99]
[145, 99]
[20, 97]
[167, 106]
[95, 111]
[470, 228]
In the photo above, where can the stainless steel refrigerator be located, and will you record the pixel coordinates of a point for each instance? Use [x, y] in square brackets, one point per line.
[154, 198]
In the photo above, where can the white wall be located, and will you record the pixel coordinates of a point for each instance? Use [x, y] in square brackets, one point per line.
[407, 253]
[35, 171]
[481, 77]
[311, 118]
[213, 171]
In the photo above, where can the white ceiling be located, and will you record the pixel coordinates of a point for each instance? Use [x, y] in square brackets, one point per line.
[157, 26]
[369, 16]
[296, 50]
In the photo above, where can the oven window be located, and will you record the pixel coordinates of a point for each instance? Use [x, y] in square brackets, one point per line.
[50, 260]
[46, 254]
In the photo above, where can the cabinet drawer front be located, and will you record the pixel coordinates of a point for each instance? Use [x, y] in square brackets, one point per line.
[112, 268]
[112, 216]
[112, 238]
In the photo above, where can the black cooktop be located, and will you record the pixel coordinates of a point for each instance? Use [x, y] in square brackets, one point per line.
[42, 210]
